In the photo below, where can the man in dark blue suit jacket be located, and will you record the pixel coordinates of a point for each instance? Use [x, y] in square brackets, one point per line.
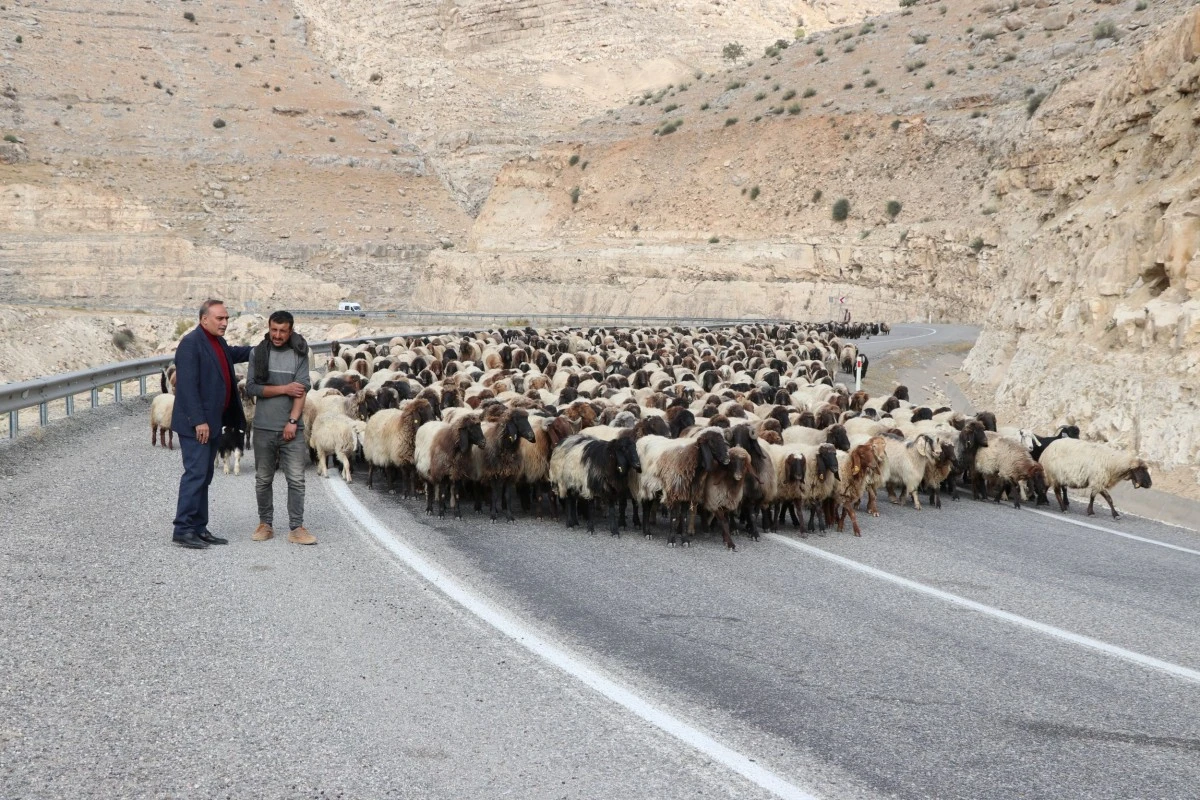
[206, 400]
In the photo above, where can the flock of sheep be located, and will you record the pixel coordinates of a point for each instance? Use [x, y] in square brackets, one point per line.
[746, 427]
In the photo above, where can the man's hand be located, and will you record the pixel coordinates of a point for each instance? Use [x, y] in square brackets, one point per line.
[289, 430]
[295, 389]
[202, 433]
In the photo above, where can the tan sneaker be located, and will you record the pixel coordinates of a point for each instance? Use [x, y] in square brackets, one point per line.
[262, 533]
[301, 536]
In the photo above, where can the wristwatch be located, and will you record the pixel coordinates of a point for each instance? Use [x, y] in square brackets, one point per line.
[293, 421]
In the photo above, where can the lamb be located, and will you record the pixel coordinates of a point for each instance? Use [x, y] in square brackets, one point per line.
[905, 465]
[161, 408]
[1075, 464]
[785, 486]
[855, 469]
[389, 440]
[1009, 466]
[498, 463]
[336, 434]
[587, 469]
[443, 458]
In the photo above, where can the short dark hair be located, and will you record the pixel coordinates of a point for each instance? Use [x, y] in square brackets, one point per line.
[209, 303]
[282, 318]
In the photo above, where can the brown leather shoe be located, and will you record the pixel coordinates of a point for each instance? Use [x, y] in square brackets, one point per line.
[262, 533]
[301, 536]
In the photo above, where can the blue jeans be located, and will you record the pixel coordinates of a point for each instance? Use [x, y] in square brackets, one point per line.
[191, 513]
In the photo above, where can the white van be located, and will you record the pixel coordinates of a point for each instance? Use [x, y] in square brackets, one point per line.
[348, 305]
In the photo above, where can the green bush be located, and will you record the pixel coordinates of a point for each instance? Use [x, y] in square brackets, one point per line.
[218, 123]
[754, 192]
[1141, 6]
[189, 16]
[704, 106]
[667, 109]
[122, 338]
[714, 239]
[809, 92]
[789, 94]
[1105, 29]
[929, 84]
[729, 87]
[8, 137]
[731, 121]
[895, 124]
[816, 198]
[841, 210]
[573, 160]
[848, 85]
[794, 109]
[20, 38]
[820, 51]
[907, 3]
[760, 96]
[1034, 103]
[182, 326]
[870, 83]
[575, 195]
[732, 51]
[893, 208]
[919, 38]
[977, 244]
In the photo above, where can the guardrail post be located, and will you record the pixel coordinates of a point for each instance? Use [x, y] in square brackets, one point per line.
[95, 398]
[116, 391]
[70, 404]
[142, 386]
[43, 414]
[14, 424]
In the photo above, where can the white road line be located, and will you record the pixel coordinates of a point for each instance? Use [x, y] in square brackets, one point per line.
[1064, 518]
[573, 665]
[889, 340]
[1041, 627]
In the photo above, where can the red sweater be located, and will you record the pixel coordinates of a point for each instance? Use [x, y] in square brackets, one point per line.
[220, 351]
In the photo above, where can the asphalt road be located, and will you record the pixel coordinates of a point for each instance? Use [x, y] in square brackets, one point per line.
[970, 652]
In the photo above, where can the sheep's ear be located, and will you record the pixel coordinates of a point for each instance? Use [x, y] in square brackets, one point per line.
[464, 441]
[706, 458]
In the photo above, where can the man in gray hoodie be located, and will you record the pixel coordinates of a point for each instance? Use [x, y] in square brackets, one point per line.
[278, 379]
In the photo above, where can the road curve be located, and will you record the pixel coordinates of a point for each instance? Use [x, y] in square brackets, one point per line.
[132, 668]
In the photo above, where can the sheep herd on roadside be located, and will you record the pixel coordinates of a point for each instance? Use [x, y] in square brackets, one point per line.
[743, 428]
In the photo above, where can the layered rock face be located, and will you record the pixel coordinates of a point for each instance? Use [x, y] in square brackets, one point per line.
[1097, 313]
[155, 159]
[482, 81]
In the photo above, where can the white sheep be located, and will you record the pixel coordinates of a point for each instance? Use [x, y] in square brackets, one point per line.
[161, 408]
[1074, 464]
[905, 464]
[336, 434]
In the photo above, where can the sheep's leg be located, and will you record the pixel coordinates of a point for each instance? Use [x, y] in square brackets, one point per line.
[613, 518]
[916, 499]
[494, 498]
[237, 462]
[748, 514]
[796, 515]
[1104, 493]
[849, 509]
[347, 474]
[691, 525]
[506, 497]
[153, 434]
[872, 503]
[1091, 512]
[456, 498]
[1060, 497]
[723, 516]
[675, 522]
[322, 469]
[647, 509]
[1066, 502]
[1001, 486]
[429, 493]
[588, 514]
[370, 475]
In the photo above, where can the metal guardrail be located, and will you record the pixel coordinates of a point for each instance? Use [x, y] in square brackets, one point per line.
[515, 318]
[40, 392]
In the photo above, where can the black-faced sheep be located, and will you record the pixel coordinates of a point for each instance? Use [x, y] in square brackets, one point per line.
[672, 473]
[1075, 464]
[497, 464]
[443, 458]
[583, 468]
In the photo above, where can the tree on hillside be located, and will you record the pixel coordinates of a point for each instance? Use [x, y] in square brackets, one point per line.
[733, 51]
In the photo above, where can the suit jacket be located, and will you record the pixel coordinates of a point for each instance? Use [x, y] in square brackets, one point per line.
[199, 389]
